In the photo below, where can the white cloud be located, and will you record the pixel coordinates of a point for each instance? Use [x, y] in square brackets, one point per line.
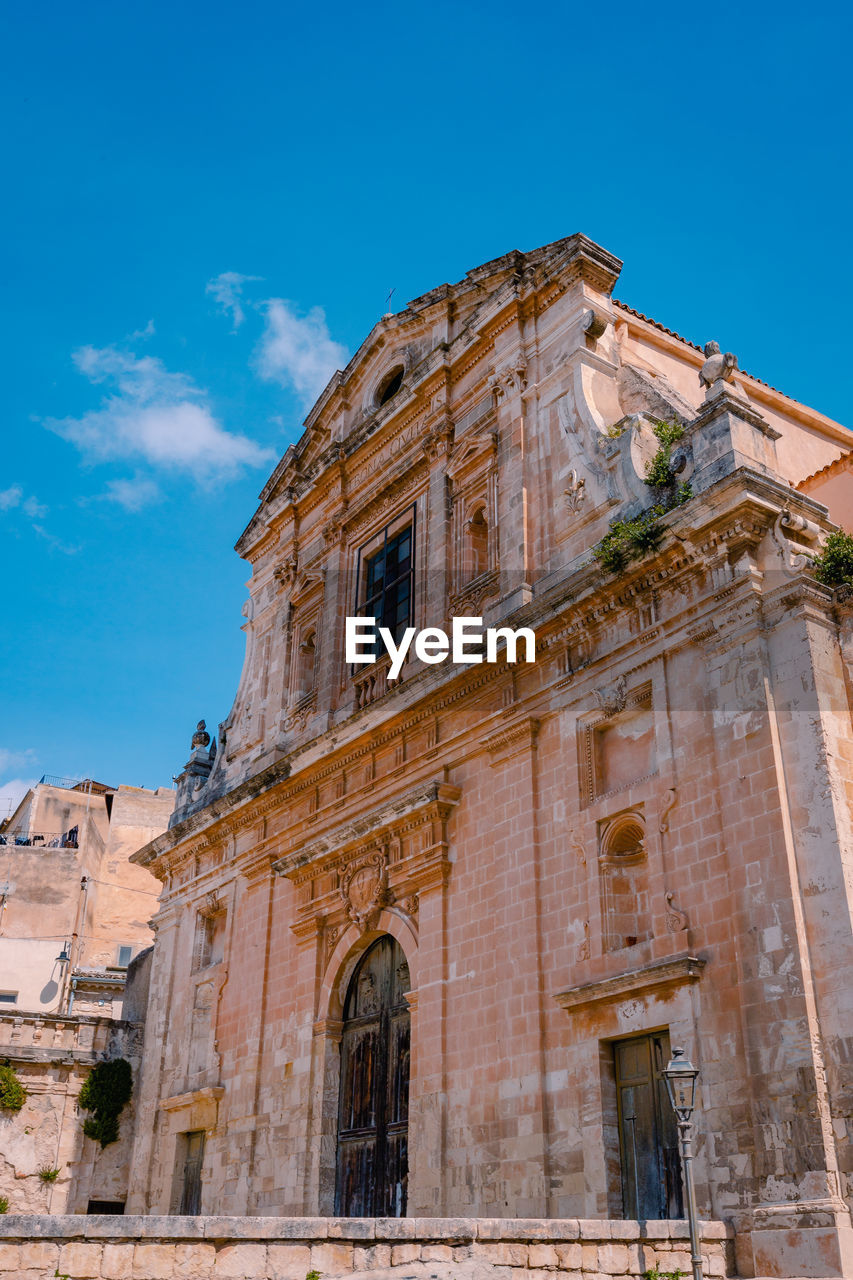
[227, 290]
[10, 497]
[34, 509]
[156, 415]
[298, 351]
[133, 494]
[67, 548]
[15, 759]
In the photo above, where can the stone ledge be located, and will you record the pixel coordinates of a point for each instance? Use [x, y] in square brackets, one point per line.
[310, 1230]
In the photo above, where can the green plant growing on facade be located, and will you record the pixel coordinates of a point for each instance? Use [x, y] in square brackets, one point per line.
[654, 1273]
[4, 1204]
[13, 1095]
[313, 1275]
[47, 1174]
[658, 474]
[834, 565]
[106, 1092]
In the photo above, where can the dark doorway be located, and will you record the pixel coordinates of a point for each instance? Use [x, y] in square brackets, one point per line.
[105, 1206]
[191, 1159]
[373, 1113]
[648, 1136]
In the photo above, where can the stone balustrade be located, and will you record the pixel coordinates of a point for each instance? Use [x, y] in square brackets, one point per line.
[42, 1037]
[220, 1248]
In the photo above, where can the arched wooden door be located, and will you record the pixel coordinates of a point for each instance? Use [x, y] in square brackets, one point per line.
[373, 1112]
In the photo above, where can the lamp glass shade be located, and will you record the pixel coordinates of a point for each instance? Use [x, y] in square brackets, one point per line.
[680, 1076]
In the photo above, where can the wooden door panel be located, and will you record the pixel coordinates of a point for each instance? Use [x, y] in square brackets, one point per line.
[357, 1178]
[372, 1160]
[648, 1145]
[359, 1060]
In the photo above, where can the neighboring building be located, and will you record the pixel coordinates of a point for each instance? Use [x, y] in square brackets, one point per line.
[423, 947]
[74, 916]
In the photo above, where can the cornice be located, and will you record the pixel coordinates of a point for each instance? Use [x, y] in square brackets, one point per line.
[677, 971]
[441, 796]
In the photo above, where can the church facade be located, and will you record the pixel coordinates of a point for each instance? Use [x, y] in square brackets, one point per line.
[425, 943]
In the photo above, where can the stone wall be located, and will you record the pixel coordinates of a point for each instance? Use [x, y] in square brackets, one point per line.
[163, 1248]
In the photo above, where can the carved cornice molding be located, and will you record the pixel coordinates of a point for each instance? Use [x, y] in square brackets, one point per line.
[411, 809]
[511, 739]
[678, 971]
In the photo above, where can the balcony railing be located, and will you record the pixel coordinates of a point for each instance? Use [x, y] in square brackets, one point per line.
[42, 839]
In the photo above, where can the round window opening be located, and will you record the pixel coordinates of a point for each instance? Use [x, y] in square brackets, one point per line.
[390, 385]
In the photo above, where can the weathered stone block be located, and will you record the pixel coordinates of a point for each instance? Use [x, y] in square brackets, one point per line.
[331, 1259]
[613, 1259]
[288, 1261]
[351, 1228]
[240, 1262]
[81, 1261]
[37, 1253]
[542, 1255]
[569, 1256]
[150, 1261]
[436, 1253]
[370, 1258]
[195, 1261]
[502, 1253]
[593, 1229]
[116, 1261]
[10, 1257]
[403, 1253]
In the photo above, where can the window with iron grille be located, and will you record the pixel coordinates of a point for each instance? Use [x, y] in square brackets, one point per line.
[386, 576]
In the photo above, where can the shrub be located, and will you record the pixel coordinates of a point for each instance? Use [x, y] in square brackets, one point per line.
[47, 1174]
[4, 1204]
[106, 1091]
[834, 566]
[13, 1095]
[658, 474]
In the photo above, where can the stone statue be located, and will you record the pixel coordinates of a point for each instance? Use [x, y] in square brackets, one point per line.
[719, 366]
[201, 738]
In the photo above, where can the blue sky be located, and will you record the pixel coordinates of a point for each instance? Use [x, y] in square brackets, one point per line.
[206, 206]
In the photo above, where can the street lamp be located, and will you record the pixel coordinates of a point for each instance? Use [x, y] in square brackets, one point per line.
[680, 1076]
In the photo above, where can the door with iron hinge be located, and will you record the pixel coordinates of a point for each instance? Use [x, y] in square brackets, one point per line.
[373, 1110]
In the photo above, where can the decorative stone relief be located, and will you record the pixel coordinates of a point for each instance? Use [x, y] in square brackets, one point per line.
[612, 697]
[575, 492]
[676, 920]
[666, 809]
[364, 888]
[583, 949]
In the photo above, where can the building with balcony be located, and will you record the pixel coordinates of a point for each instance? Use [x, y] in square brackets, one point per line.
[424, 944]
[74, 922]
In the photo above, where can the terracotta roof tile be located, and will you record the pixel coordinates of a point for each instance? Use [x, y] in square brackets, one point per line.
[844, 463]
[623, 306]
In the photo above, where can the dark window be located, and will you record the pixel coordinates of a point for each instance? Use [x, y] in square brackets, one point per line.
[191, 1159]
[390, 386]
[388, 580]
[124, 956]
[105, 1206]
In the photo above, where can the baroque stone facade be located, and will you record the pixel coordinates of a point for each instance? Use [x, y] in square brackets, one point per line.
[435, 937]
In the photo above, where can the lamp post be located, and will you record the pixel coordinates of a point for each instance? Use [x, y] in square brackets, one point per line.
[680, 1076]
